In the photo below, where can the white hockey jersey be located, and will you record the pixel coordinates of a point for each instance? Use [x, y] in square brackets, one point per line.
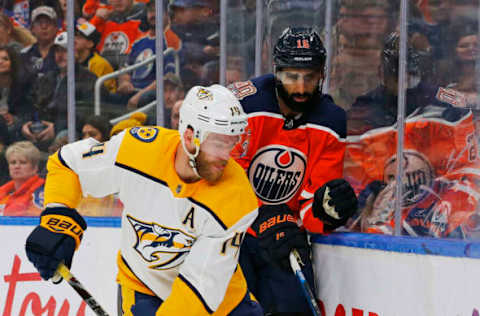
[180, 241]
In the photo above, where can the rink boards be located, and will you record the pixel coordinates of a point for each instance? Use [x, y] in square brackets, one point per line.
[357, 274]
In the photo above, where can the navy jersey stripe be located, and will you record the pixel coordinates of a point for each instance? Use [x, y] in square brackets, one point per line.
[219, 221]
[61, 159]
[140, 173]
[131, 271]
[194, 290]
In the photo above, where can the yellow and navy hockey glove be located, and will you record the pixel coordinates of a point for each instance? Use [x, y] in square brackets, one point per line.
[55, 239]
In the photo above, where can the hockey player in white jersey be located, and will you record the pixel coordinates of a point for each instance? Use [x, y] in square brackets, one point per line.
[187, 206]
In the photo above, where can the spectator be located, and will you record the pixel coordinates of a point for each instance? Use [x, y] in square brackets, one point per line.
[363, 24]
[143, 78]
[378, 108]
[172, 91]
[50, 97]
[39, 58]
[86, 39]
[353, 77]
[14, 35]
[175, 115]
[90, 7]
[23, 195]
[96, 127]
[435, 26]
[136, 119]
[119, 28]
[465, 53]
[235, 71]
[292, 152]
[198, 28]
[15, 106]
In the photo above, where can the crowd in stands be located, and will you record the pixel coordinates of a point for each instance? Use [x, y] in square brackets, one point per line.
[111, 35]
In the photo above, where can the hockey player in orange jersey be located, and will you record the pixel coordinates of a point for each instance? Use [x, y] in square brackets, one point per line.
[293, 154]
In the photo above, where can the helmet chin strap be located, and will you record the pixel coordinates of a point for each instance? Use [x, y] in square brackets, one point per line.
[192, 158]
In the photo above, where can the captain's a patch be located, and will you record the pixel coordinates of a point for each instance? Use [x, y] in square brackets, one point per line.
[144, 133]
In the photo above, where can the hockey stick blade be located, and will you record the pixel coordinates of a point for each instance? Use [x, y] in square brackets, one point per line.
[312, 302]
[80, 289]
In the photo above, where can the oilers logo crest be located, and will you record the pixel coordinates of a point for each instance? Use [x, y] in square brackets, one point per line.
[276, 173]
[417, 179]
[143, 71]
[116, 42]
[162, 247]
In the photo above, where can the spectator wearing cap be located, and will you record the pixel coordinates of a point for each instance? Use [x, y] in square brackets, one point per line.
[86, 39]
[143, 78]
[119, 29]
[49, 96]
[39, 57]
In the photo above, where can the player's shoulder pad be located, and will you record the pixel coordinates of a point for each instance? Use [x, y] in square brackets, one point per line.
[451, 97]
[257, 94]
[143, 147]
[231, 198]
[326, 113]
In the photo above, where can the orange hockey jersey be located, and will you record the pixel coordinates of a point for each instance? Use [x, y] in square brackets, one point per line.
[440, 152]
[287, 160]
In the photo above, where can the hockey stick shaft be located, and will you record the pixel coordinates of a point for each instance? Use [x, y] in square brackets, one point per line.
[312, 302]
[80, 289]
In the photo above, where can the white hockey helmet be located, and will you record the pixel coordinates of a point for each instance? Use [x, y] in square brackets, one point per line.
[212, 109]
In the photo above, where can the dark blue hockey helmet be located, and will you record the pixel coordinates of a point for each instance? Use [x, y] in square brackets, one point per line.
[418, 60]
[299, 47]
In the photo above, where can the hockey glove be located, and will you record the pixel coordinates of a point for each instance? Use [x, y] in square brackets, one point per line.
[278, 234]
[334, 203]
[55, 239]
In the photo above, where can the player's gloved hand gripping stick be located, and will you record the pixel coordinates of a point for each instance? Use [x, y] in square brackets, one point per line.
[51, 245]
[278, 233]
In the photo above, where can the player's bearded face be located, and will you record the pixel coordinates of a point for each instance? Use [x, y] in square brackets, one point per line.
[214, 154]
[298, 87]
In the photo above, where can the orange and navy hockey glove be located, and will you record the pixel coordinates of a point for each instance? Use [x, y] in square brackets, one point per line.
[55, 239]
[278, 234]
[334, 203]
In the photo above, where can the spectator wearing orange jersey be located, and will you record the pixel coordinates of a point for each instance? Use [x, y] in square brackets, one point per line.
[119, 27]
[23, 195]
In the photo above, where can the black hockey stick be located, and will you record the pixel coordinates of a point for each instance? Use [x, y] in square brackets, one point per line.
[294, 263]
[80, 289]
